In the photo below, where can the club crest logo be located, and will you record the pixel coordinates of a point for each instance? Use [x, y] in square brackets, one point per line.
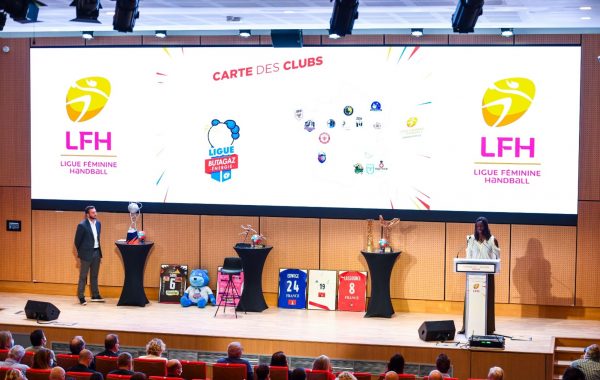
[86, 98]
[507, 100]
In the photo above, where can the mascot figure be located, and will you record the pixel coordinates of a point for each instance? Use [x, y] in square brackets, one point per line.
[198, 293]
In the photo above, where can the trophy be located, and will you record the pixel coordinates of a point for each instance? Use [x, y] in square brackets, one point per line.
[256, 239]
[369, 235]
[386, 229]
[133, 236]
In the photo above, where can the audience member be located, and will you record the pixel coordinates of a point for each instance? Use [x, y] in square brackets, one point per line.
[85, 359]
[278, 359]
[112, 345]
[322, 363]
[37, 339]
[396, 364]
[57, 373]
[572, 373]
[262, 372]
[435, 375]
[6, 340]
[139, 376]
[174, 368]
[76, 345]
[234, 355]
[391, 375]
[346, 376]
[496, 373]
[124, 365]
[14, 374]
[154, 349]
[590, 364]
[13, 359]
[442, 364]
[298, 374]
[42, 359]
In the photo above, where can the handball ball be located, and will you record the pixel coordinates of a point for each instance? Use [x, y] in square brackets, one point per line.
[256, 239]
[383, 243]
[133, 208]
[142, 235]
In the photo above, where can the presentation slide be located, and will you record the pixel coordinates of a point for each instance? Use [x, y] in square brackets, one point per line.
[428, 129]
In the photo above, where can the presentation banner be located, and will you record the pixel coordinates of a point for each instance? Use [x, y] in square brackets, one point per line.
[292, 289]
[173, 282]
[322, 289]
[352, 291]
[222, 279]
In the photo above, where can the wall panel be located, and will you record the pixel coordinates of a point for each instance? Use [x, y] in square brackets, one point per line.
[295, 244]
[407, 39]
[547, 39]
[542, 265]
[588, 255]
[218, 235]
[515, 365]
[15, 251]
[171, 40]
[354, 40]
[456, 245]
[480, 39]
[57, 41]
[176, 241]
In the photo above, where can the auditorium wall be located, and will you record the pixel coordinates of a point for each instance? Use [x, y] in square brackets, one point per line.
[541, 265]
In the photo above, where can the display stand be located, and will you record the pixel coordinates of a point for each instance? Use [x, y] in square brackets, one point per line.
[253, 262]
[134, 260]
[380, 268]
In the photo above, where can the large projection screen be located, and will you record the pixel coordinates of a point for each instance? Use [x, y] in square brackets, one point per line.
[424, 133]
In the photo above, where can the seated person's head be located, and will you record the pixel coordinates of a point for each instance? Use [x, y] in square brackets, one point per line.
[174, 368]
[234, 350]
[322, 363]
[42, 359]
[57, 373]
[262, 372]
[391, 375]
[14, 374]
[6, 340]
[155, 347]
[37, 338]
[396, 363]
[572, 373]
[298, 374]
[86, 357]
[496, 373]
[16, 353]
[435, 375]
[346, 376]
[124, 361]
[279, 359]
[139, 376]
[592, 353]
[76, 345]
[442, 363]
[111, 342]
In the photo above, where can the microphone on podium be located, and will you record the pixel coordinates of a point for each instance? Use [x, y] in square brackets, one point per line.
[469, 237]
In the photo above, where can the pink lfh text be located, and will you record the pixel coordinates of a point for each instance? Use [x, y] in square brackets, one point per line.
[505, 145]
[88, 140]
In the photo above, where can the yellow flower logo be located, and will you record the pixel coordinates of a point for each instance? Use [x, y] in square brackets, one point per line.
[411, 122]
[506, 101]
[86, 98]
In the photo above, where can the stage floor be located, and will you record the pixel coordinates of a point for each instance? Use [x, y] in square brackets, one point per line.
[281, 324]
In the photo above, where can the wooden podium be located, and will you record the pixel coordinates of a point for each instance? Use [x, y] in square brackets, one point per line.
[477, 271]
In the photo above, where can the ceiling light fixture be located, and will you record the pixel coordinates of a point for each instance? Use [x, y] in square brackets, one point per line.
[585, 8]
[585, 18]
[86, 10]
[160, 34]
[342, 17]
[507, 32]
[87, 35]
[416, 32]
[245, 33]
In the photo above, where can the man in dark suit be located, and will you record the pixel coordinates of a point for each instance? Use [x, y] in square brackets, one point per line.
[111, 346]
[87, 242]
[124, 365]
[85, 359]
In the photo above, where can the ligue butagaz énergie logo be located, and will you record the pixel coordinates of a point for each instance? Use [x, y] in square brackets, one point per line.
[222, 157]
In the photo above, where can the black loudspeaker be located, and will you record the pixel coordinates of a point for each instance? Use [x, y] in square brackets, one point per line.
[287, 38]
[41, 311]
[437, 330]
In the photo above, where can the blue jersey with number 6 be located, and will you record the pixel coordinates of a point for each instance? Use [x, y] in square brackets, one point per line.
[292, 289]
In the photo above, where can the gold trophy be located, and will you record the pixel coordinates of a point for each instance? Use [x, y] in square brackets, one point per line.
[369, 235]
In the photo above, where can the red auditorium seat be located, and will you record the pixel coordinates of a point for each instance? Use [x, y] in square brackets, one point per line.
[400, 375]
[165, 378]
[445, 378]
[227, 371]
[193, 370]
[278, 373]
[74, 375]
[105, 364]
[3, 355]
[38, 374]
[315, 374]
[67, 361]
[362, 375]
[151, 367]
[117, 377]
[28, 358]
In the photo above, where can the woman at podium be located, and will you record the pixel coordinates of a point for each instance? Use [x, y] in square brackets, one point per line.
[483, 245]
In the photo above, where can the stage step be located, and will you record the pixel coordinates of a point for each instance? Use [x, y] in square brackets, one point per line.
[568, 353]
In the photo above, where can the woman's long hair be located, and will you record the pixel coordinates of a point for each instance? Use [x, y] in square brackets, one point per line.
[486, 229]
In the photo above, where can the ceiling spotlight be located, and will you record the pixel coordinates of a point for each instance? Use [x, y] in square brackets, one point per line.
[342, 17]
[466, 14]
[585, 8]
[245, 33]
[2, 19]
[126, 11]
[334, 36]
[22, 11]
[160, 34]
[86, 10]
[87, 35]
[507, 32]
[416, 32]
